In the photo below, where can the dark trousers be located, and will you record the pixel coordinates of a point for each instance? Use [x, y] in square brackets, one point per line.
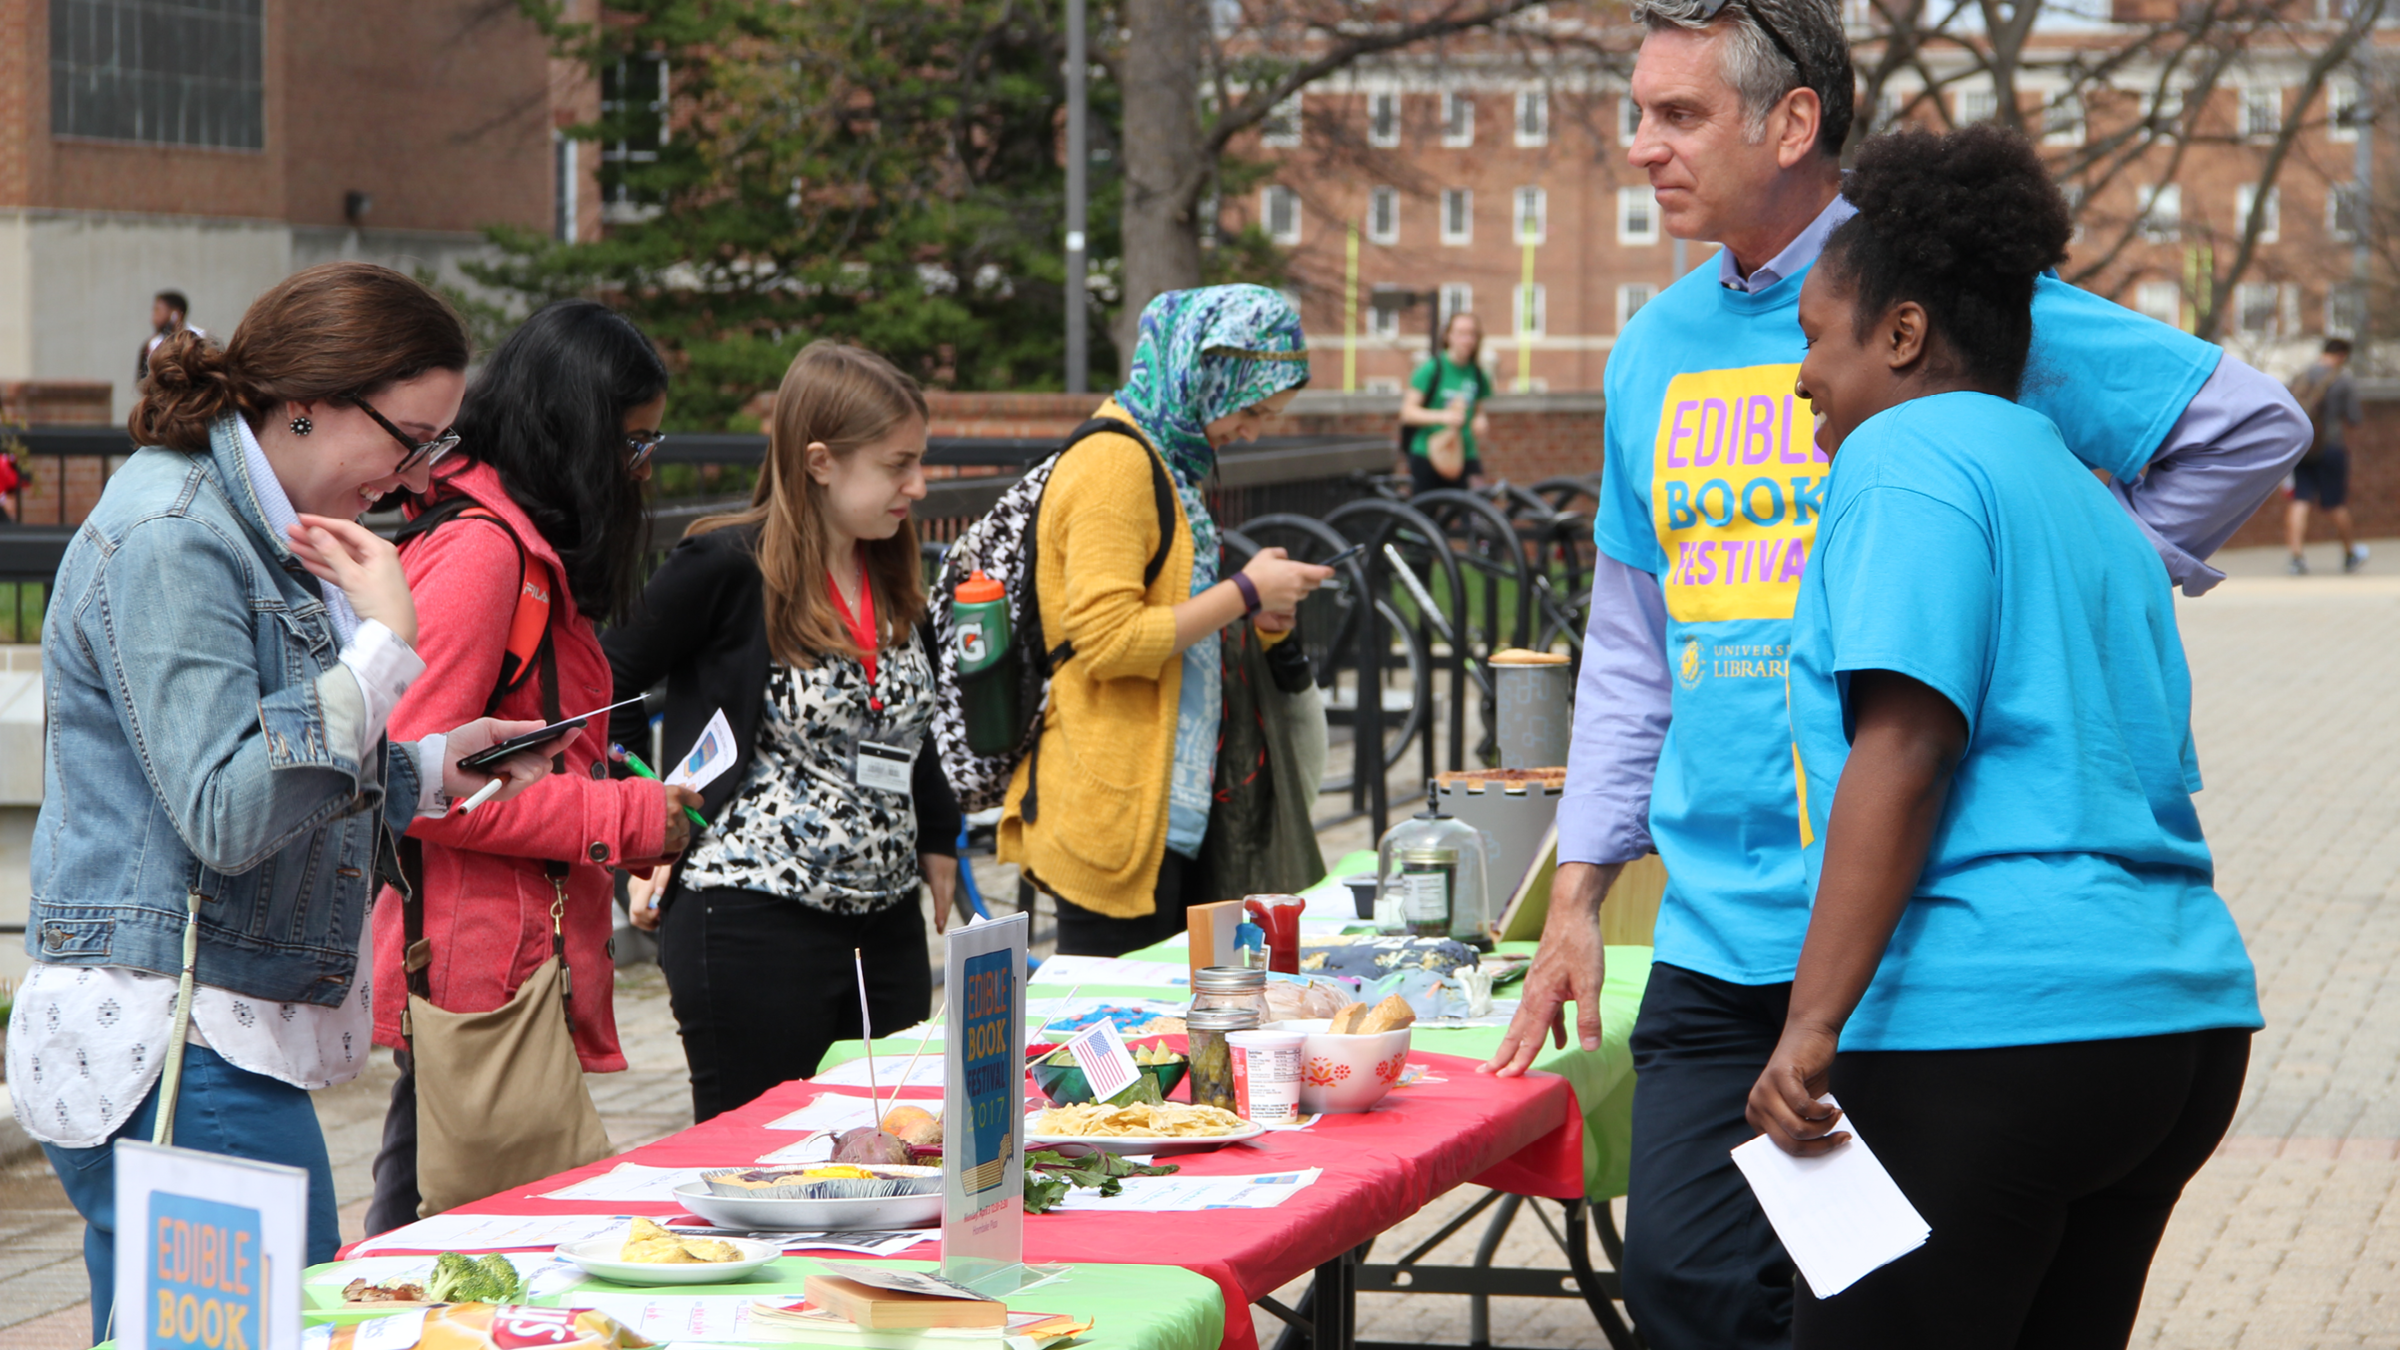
[396, 1198]
[2047, 1173]
[1423, 477]
[762, 986]
[1703, 1268]
[1182, 883]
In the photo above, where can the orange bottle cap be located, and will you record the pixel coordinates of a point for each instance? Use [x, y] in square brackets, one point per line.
[980, 590]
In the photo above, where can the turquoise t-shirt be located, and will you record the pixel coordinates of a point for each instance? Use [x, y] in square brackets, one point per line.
[2066, 895]
[1713, 483]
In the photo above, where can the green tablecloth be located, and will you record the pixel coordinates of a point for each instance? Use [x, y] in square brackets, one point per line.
[1130, 1307]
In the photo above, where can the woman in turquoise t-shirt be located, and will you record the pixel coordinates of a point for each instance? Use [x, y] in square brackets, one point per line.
[1446, 394]
[2041, 1007]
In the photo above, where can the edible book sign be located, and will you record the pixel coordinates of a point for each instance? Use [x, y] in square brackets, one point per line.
[210, 1250]
[983, 1106]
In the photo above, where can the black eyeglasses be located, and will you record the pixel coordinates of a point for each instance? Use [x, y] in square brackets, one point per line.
[642, 443]
[428, 453]
[1709, 9]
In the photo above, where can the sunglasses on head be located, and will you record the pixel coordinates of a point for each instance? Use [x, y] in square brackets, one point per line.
[642, 443]
[1709, 9]
[426, 454]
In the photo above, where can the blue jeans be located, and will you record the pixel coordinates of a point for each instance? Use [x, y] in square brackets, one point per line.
[221, 1109]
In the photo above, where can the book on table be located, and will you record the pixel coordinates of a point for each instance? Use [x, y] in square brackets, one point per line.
[889, 1309]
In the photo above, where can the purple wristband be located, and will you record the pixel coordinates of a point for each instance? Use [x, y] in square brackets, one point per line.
[1249, 590]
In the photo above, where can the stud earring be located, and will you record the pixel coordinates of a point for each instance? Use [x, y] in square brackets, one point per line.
[301, 426]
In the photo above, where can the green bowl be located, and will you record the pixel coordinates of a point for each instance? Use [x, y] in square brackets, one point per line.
[1065, 1085]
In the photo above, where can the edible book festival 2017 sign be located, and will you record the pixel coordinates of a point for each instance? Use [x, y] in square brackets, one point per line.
[210, 1250]
[983, 1104]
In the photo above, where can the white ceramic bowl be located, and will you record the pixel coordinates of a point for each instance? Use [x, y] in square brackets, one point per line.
[1345, 1073]
[598, 1256]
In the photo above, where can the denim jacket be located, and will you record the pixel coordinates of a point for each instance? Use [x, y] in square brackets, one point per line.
[187, 748]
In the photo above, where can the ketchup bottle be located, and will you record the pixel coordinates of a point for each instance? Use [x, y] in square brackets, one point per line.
[1279, 915]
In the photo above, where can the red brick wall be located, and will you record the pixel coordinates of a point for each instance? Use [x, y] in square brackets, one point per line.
[75, 403]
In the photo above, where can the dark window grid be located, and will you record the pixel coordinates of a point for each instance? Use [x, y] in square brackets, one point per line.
[159, 71]
[633, 95]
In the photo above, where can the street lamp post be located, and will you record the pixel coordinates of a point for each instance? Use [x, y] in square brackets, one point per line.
[1078, 296]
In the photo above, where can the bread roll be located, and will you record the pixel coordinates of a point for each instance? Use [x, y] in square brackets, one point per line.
[1345, 1022]
[1390, 1015]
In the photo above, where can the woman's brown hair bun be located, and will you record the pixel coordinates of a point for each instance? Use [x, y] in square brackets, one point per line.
[329, 332]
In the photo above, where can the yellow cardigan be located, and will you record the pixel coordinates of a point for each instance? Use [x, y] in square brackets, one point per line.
[1108, 737]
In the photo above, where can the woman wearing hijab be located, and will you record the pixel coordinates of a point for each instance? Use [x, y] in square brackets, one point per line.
[1128, 747]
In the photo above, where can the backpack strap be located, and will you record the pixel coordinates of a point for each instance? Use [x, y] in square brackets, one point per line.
[529, 625]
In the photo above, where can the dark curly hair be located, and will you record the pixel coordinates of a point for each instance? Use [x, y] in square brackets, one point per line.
[1962, 224]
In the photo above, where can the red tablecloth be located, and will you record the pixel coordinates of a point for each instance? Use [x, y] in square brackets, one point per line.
[1522, 1135]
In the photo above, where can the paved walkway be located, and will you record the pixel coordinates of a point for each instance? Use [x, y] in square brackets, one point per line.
[2287, 1240]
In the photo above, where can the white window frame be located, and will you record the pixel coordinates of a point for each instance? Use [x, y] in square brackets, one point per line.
[1637, 215]
[2341, 103]
[2063, 121]
[1268, 196]
[1533, 130]
[2260, 111]
[1629, 118]
[2150, 297]
[1531, 313]
[617, 202]
[2335, 195]
[2250, 296]
[2166, 111]
[1280, 128]
[1457, 297]
[1888, 107]
[1383, 215]
[2343, 306]
[2162, 226]
[1458, 119]
[2271, 229]
[1631, 296]
[1458, 206]
[1383, 322]
[1978, 105]
[1382, 130]
[1531, 217]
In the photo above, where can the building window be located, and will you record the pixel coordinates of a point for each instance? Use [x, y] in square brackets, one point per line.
[1533, 310]
[1637, 215]
[1458, 120]
[1383, 215]
[2343, 112]
[1383, 321]
[1630, 298]
[1888, 107]
[1279, 213]
[2270, 229]
[1629, 119]
[2254, 308]
[2262, 110]
[1383, 384]
[1977, 105]
[1383, 118]
[2161, 300]
[1533, 215]
[633, 125]
[1457, 298]
[2166, 112]
[2345, 311]
[1458, 216]
[1533, 117]
[2062, 121]
[2162, 214]
[1280, 128]
[562, 190]
[2341, 211]
[165, 72]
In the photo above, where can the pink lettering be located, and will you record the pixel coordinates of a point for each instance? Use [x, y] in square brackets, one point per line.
[1704, 567]
[1787, 456]
[1675, 430]
[1766, 566]
[1704, 450]
[1795, 561]
[1758, 438]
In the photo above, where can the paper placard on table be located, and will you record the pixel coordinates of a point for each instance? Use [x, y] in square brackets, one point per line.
[1107, 1065]
[831, 1111]
[1073, 970]
[983, 1101]
[814, 1148]
[493, 1232]
[856, 1241]
[1840, 1214]
[634, 1183]
[709, 758]
[224, 1240]
[1173, 1194]
[888, 1068]
[704, 1317]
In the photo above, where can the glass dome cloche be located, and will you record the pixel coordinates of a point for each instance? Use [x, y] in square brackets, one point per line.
[1432, 878]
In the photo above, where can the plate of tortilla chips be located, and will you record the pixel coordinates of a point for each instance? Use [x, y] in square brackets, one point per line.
[1138, 1127]
[646, 1254]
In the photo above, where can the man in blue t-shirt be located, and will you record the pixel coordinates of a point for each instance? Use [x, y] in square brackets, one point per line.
[1708, 512]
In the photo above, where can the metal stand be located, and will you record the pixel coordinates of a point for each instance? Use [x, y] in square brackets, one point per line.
[1327, 1318]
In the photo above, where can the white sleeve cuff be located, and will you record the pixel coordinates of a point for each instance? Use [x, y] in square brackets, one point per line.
[430, 753]
[385, 667]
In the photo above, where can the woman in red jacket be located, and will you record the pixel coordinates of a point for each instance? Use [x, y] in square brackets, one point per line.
[557, 433]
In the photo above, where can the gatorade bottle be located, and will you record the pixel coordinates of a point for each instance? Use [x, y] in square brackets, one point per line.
[987, 666]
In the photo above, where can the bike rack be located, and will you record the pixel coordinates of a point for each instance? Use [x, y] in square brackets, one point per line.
[1378, 522]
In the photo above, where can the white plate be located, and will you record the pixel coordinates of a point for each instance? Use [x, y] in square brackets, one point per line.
[598, 1256]
[769, 1214]
[1136, 1147]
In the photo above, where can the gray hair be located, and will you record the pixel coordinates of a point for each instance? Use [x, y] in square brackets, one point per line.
[1757, 69]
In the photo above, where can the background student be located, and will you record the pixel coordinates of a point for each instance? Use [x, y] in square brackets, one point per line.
[545, 493]
[800, 618]
[2012, 901]
[1445, 397]
[2329, 396]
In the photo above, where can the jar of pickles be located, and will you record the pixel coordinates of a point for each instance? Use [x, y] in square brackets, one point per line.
[1212, 1058]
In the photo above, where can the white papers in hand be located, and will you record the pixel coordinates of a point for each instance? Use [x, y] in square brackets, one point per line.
[1840, 1215]
[709, 757]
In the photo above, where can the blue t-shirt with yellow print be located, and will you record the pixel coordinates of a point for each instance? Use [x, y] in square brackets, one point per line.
[1713, 483]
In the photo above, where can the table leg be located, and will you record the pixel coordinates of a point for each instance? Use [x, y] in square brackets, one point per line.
[1579, 1260]
[1479, 1304]
[1336, 1304]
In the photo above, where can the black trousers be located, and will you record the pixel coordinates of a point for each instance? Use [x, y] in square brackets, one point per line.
[2047, 1173]
[396, 1198]
[1182, 883]
[762, 986]
[1703, 1268]
[1423, 477]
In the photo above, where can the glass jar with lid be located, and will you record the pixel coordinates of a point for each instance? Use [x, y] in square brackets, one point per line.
[1212, 1057]
[1434, 867]
[1231, 987]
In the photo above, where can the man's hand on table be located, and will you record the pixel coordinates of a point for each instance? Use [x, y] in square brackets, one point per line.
[1567, 965]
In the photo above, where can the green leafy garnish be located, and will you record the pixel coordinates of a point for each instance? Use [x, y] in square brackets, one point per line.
[1050, 1174]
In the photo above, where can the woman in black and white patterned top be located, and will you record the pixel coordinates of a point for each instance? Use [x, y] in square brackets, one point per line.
[800, 619]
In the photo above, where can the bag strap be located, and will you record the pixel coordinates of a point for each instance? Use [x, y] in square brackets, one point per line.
[529, 623]
[1162, 493]
[170, 1087]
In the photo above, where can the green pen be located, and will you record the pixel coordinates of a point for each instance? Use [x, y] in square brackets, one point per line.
[634, 762]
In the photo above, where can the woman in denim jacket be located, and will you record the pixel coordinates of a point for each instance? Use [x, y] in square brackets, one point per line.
[223, 646]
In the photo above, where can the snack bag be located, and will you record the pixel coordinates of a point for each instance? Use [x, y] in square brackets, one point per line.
[479, 1326]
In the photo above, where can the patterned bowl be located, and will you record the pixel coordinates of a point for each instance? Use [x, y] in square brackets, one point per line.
[1346, 1073]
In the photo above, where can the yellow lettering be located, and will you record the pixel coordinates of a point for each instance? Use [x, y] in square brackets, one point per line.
[187, 1318]
[166, 1316]
[212, 1324]
[241, 1263]
[235, 1337]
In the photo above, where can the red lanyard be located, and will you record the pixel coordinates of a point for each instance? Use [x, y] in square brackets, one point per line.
[861, 624]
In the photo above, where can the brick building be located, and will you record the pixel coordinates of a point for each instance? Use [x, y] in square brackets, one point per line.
[214, 149]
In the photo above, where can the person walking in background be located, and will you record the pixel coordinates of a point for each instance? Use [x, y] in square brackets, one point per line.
[1110, 812]
[2329, 396]
[1442, 409]
[226, 646]
[167, 318]
[800, 619]
[514, 554]
[1744, 111]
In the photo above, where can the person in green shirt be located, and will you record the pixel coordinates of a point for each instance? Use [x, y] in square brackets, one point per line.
[1447, 393]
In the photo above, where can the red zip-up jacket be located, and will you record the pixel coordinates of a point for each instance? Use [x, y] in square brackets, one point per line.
[488, 895]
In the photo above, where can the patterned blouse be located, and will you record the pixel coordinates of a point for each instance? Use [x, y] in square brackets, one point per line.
[801, 827]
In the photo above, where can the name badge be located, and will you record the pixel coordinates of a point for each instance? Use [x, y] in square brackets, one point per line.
[884, 767]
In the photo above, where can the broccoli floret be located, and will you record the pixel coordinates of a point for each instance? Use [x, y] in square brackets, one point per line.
[467, 1279]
